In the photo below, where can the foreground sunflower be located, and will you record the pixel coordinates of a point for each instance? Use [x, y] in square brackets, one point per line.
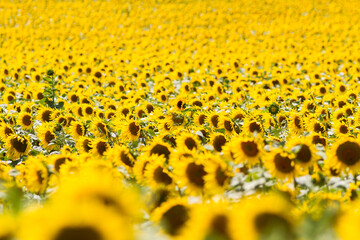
[260, 221]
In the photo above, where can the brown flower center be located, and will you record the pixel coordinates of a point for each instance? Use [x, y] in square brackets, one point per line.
[250, 148]
[348, 153]
[195, 173]
[190, 143]
[219, 142]
[49, 137]
[20, 146]
[134, 129]
[78, 233]
[283, 164]
[161, 177]
[174, 219]
[304, 154]
[160, 150]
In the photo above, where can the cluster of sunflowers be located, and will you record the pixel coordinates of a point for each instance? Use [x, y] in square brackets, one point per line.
[204, 120]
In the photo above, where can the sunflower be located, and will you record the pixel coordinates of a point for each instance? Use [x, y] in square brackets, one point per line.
[156, 174]
[218, 141]
[104, 189]
[345, 155]
[246, 149]
[5, 131]
[99, 128]
[262, 220]
[46, 134]
[99, 147]
[17, 146]
[130, 130]
[341, 128]
[84, 144]
[57, 161]
[314, 125]
[296, 124]
[173, 216]
[200, 118]
[35, 175]
[121, 156]
[77, 129]
[8, 227]
[281, 164]
[303, 150]
[251, 125]
[212, 221]
[140, 166]
[159, 147]
[213, 119]
[219, 174]
[74, 221]
[44, 114]
[25, 120]
[187, 140]
[190, 173]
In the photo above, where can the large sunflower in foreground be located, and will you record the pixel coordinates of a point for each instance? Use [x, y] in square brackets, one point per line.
[173, 216]
[17, 146]
[258, 220]
[345, 155]
[74, 222]
[212, 221]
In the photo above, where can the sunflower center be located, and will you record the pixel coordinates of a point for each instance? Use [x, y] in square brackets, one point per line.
[283, 164]
[228, 125]
[174, 219]
[178, 119]
[27, 120]
[86, 145]
[220, 176]
[125, 159]
[161, 177]
[101, 147]
[202, 119]
[250, 148]
[78, 233]
[219, 142]
[195, 173]
[297, 122]
[254, 126]
[160, 150]
[141, 113]
[79, 130]
[46, 116]
[19, 145]
[8, 131]
[190, 143]
[348, 153]
[59, 162]
[219, 228]
[40, 177]
[101, 127]
[134, 129]
[167, 127]
[319, 128]
[344, 129]
[304, 154]
[215, 120]
[49, 136]
[266, 223]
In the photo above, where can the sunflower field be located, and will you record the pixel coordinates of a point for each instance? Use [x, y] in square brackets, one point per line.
[179, 119]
